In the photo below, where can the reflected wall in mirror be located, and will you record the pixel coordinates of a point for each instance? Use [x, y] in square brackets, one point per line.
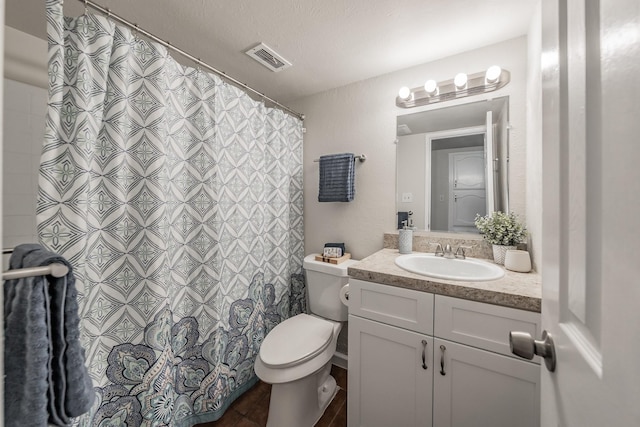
[452, 163]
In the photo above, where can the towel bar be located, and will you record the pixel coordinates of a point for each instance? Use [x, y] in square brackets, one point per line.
[55, 270]
[361, 157]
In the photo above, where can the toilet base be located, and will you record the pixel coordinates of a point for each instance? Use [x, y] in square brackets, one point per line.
[301, 403]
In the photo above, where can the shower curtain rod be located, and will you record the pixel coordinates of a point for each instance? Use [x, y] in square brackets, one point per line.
[222, 74]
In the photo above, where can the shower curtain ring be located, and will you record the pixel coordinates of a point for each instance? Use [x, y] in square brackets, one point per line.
[86, 7]
[135, 31]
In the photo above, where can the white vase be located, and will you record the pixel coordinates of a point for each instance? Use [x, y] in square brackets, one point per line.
[519, 261]
[499, 252]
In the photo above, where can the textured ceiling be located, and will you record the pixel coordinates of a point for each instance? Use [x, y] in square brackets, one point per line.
[331, 43]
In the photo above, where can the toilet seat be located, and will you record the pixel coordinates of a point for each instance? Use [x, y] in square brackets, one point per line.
[295, 341]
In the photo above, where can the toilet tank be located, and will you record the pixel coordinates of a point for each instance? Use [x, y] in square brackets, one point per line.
[324, 281]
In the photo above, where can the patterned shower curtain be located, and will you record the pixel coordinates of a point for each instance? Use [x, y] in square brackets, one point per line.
[178, 200]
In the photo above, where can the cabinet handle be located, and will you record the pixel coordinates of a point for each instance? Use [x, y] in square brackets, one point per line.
[442, 349]
[424, 351]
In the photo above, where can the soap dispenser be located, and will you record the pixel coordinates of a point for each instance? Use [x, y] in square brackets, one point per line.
[405, 239]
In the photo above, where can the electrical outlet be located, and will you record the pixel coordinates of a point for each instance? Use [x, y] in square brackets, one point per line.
[407, 197]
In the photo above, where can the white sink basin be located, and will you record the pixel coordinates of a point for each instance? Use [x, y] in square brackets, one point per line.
[467, 270]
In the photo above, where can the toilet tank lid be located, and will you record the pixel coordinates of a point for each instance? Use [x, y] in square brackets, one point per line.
[310, 263]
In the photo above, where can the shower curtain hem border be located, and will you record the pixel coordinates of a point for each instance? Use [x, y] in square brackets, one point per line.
[208, 417]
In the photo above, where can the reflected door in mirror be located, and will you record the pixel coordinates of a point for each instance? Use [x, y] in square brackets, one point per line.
[468, 190]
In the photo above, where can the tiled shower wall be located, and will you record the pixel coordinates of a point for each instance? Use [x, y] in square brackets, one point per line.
[24, 118]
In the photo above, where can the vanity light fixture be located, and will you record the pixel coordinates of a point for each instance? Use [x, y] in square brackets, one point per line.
[461, 86]
[460, 81]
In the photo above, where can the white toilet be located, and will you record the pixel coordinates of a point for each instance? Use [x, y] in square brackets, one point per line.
[296, 355]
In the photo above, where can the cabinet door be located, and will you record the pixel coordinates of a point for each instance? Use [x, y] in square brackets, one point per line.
[481, 388]
[388, 385]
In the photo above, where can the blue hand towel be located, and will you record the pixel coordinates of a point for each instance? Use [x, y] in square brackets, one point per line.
[46, 379]
[337, 178]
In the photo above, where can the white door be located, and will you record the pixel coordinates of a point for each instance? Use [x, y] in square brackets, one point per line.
[591, 211]
[489, 160]
[501, 151]
[467, 190]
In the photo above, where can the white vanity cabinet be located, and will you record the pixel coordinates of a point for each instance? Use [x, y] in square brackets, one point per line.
[478, 382]
[471, 378]
[390, 356]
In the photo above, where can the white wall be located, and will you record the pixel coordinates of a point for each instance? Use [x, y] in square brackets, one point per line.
[534, 139]
[361, 118]
[24, 118]
[25, 103]
[411, 152]
[25, 58]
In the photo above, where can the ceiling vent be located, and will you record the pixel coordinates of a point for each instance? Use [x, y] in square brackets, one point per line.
[268, 57]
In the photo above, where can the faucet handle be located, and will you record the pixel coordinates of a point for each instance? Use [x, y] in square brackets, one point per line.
[460, 251]
[439, 250]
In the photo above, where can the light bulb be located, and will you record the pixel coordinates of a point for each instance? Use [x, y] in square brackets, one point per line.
[404, 92]
[460, 80]
[493, 74]
[431, 87]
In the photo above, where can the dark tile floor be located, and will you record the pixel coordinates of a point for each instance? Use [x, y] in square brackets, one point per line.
[251, 409]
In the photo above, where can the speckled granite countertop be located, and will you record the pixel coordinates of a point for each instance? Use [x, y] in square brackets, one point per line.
[517, 290]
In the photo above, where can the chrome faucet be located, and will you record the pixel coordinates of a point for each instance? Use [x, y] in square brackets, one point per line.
[443, 252]
[439, 251]
[448, 252]
[460, 252]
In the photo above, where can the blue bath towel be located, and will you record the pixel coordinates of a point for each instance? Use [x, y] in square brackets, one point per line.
[46, 379]
[337, 178]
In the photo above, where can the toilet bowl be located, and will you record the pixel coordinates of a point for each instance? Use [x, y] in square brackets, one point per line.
[301, 385]
[295, 357]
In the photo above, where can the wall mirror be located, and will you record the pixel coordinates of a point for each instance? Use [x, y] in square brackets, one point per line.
[452, 163]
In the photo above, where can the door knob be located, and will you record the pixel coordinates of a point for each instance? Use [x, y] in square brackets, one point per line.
[523, 345]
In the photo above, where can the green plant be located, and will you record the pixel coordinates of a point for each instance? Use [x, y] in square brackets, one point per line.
[500, 228]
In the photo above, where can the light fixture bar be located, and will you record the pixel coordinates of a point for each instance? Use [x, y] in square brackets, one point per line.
[477, 83]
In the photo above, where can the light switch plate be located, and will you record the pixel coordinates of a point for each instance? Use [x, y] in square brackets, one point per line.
[407, 197]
